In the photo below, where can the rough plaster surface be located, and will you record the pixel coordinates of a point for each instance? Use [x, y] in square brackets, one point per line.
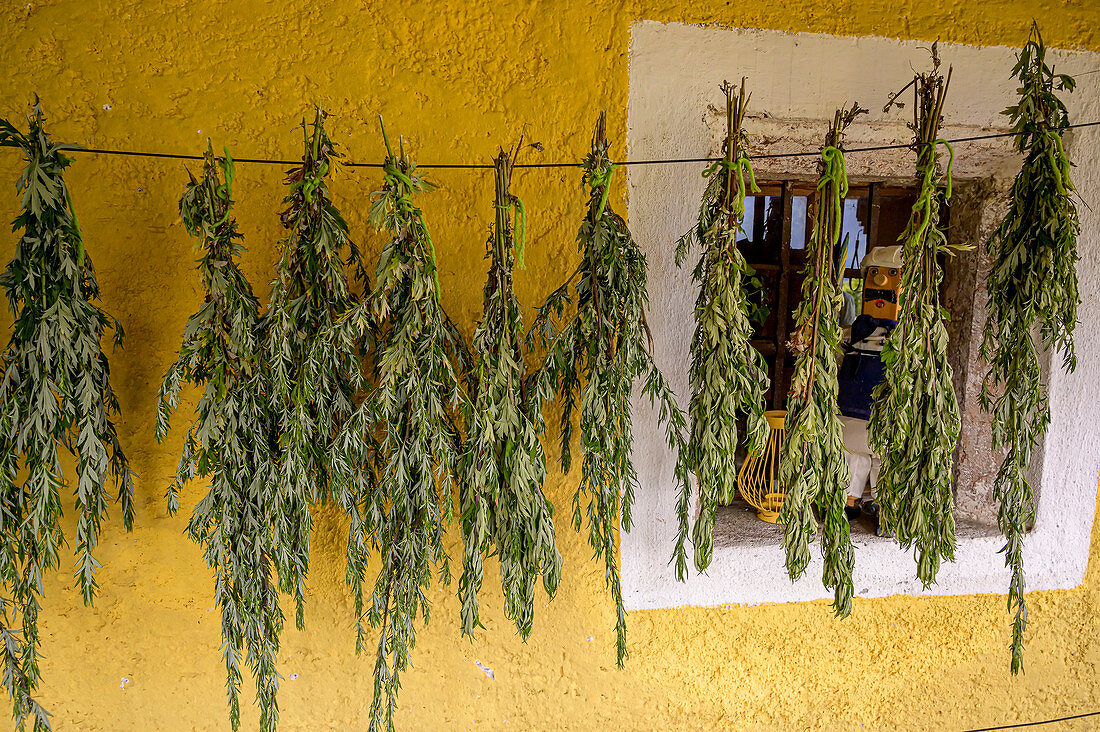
[796, 80]
[976, 209]
[458, 79]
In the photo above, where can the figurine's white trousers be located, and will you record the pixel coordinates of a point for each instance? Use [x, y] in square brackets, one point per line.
[861, 461]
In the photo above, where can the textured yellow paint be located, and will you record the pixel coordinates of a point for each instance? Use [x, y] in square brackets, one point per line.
[457, 79]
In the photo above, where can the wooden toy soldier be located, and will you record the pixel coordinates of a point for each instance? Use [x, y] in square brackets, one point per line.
[861, 370]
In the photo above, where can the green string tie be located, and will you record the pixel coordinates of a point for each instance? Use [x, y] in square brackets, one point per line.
[743, 166]
[1059, 164]
[719, 164]
[394, 176]
[836, 173]
[404, 188]
[519, 224]
[229, 168]
[927, 190]
[602, 177]
[224, 191]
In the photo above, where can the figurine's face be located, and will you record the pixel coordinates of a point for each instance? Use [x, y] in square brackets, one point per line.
[880, 292]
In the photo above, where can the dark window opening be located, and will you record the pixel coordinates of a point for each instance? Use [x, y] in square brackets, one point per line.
[778, 222]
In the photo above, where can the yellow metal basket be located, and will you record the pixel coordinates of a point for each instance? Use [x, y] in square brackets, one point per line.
[758, 479]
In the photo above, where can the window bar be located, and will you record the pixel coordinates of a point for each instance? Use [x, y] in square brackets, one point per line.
[874, 208]
[780, 384]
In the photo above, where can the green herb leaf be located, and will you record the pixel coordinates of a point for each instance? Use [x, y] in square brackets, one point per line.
[241, 520]
[503, 465]
[397, 454]
[309, 382]
[728, 376]
[813, 467]
[915, 422]
[1032, 282]
[595, 354]
[55, 391]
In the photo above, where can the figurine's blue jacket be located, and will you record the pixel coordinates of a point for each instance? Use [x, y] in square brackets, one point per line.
[861, 370]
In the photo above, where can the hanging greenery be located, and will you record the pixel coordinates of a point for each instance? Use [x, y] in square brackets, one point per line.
[503, 465]
[596, 355]
[310, 290]
[813, 468]
[398, 452]
[56, 391]
[914, 422]
[728, 376]
[229, 444]
[1033, 281]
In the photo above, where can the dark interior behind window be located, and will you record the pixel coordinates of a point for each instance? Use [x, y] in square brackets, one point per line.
[778, 222]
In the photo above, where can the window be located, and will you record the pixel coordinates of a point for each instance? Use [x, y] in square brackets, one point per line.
[675, 70]
[874, 215]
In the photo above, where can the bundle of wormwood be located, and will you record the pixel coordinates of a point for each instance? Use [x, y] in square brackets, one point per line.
[597, 354]
[728, 376]
[915, 422]
[56, 391]
[397, 454]
[813, 468]
[503, 465]
[229, 444]
[1033, 281]
[310, 290]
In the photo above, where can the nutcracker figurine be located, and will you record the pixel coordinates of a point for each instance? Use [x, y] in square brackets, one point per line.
[861, 370]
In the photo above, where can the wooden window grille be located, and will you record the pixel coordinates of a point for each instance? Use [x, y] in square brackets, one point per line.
[875, 214]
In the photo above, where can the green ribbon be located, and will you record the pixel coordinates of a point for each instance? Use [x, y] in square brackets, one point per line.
[1060, 164]
[519, 224]
[394, 176]
[229, 168]
[602, 177]
[742, 166]
[835, 172]
[927, 190]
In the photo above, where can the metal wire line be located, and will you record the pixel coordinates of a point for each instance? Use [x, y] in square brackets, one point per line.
[1035, 724]
[489, 166]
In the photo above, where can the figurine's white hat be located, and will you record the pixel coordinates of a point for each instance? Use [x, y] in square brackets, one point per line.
[882, 257]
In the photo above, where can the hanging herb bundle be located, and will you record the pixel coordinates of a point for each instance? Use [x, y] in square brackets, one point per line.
[1033, 281]
[397, 453]
[813, 468]
[310, 290]
[229, 444]
[597, 355]
[56, 390]
[728, 376]
[503, 465]
[915, 422]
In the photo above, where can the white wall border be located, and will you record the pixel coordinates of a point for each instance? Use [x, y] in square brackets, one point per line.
[798, 79]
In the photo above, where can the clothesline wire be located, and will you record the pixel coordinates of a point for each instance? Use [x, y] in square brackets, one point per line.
[1035, 724]
[489, 166]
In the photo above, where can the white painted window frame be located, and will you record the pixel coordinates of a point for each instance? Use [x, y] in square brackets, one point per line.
[798, 79]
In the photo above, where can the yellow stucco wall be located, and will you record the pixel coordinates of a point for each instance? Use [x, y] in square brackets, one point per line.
[457, 79]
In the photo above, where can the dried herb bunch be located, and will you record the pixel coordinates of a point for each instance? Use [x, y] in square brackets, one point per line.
[503, 465]
[310, 388]
[914, 422]
[596, 354]
[728, 376]
[56, 391]
[1033, 281]
[229, 444]
[813, 468]
[398, 452]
